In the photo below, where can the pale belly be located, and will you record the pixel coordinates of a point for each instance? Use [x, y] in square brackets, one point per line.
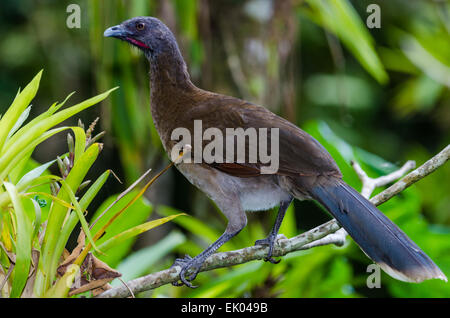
[255, 193]
[258, 195]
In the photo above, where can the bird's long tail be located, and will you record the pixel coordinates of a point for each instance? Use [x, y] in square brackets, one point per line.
[376, 235]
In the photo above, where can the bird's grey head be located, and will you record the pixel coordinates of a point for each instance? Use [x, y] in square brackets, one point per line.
[147, 33]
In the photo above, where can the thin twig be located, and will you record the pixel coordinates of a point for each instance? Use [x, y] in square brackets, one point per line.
[369, 184]
[283, 246]
[421, 172]
[129, 289]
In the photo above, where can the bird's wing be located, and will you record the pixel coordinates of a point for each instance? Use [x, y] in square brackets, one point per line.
[299, 154]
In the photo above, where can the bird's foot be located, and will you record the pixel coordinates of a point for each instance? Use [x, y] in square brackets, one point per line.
[187, 264]
[269, 241]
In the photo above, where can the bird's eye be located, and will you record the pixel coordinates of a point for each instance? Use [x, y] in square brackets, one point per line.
[140, 26]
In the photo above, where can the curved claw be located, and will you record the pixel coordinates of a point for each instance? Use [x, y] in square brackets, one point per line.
[186, 280]
[177, 284]
[270, 242]
[272, 260]
[186, 263]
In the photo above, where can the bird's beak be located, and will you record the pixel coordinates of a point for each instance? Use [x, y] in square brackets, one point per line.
[117, 31]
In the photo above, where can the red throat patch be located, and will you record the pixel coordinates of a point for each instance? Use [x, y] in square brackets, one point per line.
[138, 43]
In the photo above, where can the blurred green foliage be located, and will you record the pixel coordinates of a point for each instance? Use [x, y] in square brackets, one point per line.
[365, 94]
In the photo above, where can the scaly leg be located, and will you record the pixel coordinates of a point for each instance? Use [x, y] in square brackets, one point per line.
[189, 263]
[270, 240]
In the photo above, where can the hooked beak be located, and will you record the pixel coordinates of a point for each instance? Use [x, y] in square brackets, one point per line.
[117, 32]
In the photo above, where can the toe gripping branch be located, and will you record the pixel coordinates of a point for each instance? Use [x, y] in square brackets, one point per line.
[187, 263]
[272, 238]
[192, 266]
[269, 241]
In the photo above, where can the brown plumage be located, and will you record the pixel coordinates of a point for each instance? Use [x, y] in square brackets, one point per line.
[306, 170]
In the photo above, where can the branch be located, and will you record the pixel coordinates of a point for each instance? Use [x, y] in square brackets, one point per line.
[421, 172]
[283, 245]
[369, 184]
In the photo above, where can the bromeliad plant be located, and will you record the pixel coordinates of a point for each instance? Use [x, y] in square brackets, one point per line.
[39, 211]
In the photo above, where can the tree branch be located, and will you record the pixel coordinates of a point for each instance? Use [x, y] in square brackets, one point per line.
[300, 242]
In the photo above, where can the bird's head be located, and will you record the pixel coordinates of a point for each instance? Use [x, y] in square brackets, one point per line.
[147, 33]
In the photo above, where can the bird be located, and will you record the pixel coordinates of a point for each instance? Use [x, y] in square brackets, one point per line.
[304, 171]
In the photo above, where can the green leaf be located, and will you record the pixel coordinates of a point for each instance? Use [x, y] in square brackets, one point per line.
[135, 215]
[90, 194]
[33, 174]
[340, 18]
[343, 153]
[326, 90]
[49, 255]
[418, 94]
[32, 133]
[80, 142]
[39, 182]
[37, 219]
[35, 121]
[425, 61]
[8, 163]
[87, 198]
[18, 169]
[19, 121]
[191, 224]
[141, 261]
[17, 107]
[79, 212]
[134, 231]
[23, 243]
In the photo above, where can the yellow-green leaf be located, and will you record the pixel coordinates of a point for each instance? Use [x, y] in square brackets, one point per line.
[134, 231]
[17, 107]
[23, 242]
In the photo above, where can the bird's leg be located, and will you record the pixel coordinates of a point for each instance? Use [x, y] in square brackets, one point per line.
[270, 240]
[194, 264]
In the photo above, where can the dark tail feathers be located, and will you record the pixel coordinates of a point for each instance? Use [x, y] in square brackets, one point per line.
[377, 236]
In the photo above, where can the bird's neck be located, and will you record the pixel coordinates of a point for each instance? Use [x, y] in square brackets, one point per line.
[171, 89]
[169, 74]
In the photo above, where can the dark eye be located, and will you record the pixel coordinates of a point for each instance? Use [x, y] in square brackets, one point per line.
[140, 26]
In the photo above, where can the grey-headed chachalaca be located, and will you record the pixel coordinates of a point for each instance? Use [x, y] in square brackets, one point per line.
[305, 169]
